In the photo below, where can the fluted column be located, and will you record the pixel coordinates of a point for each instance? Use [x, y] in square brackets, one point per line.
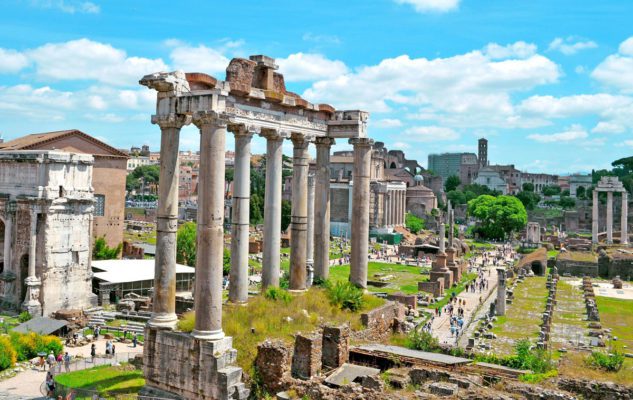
[299, 213]
[594, 217]
[164, 303]
[8, 238]
[624, 229]
[360, 219]
[310, 232]
[272, 209]
[609, 217]
[238, 282]
[322, 208]
[210, 243]
[33, 283]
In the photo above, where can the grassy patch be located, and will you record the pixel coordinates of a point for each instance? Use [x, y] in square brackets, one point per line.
[406, 277]
[143, 237]
[263, 318]
[617, 314]
[573, 365]
[105, 379]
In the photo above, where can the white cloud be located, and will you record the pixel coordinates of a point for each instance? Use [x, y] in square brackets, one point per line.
[400, 145]
[572, 106]
[84, 59]
[425, 6]
[629, 143]
[471, 89]
[573, 133]
[608, 127]
[12, 61]
[615, 70]
[430, 133]
[68, 6]
[198, 59]
[571, 45]
[519, 50]
[387, 123]
[309, 67]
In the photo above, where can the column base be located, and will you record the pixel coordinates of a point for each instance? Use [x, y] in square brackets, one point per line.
[208, 335]
[163, 321]
[297, 291]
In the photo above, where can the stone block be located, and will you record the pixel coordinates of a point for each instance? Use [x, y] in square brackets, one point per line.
[335, 350]
[436, 288]
[272, 364]
[443, 389]
[306, 359]
[408, 300]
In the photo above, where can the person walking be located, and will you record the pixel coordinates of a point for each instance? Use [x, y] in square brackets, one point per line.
[51, 360]
[93, 352]
[67, 362]
[135, 340]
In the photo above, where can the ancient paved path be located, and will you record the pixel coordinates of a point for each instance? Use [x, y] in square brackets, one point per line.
[440, 327]
[26, 384]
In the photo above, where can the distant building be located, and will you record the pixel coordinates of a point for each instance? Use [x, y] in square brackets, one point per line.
[539, 181]
[449, 164]
[578, 181]
[490, 178]
[483, 152]
[137, 161]
[108, 175]
[511, 176]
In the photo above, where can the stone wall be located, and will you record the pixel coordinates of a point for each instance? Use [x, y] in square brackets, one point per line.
[577, 268]
[335, 350]
[176, 363]
[379, 322]
[306, 359]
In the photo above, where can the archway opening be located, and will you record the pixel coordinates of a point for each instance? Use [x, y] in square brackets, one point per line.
[537, 268]
[24, 272]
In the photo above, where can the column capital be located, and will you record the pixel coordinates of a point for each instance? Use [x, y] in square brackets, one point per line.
[324, 141]
[171, 120]
[274, 134]
[300, 141]
[361, 142]
[201, 118]
[244, 130]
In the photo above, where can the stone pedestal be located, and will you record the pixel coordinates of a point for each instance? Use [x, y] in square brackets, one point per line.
[177, 365]
[440, 271]
[306, 359]
[31, 301]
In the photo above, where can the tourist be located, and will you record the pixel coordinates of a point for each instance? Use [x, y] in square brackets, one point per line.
[135, 340]
[50, 385]
[93, 352]
[51, 360]
[67, 362]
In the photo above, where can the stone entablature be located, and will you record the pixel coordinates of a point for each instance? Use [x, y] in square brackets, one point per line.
[46, 208]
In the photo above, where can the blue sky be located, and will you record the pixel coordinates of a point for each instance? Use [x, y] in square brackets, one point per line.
[549, 83]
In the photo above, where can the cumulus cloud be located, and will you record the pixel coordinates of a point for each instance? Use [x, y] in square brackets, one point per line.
[573, 133]
[84, 59]
[430, 133]
[608, 127]
[68, 6]
[12, 61]
[426, 6]
[387, 123]
[519, 50]
[615, 70]
[571, 45]
[629, 143]
[572, 106]
[198, 59]
[309, 67]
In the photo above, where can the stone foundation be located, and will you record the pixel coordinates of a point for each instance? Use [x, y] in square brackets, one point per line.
[436, 288]
[178, 365]
[306, 360]
[335, 346]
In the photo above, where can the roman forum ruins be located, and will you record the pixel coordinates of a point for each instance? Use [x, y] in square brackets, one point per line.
[252, 100]
[610, 184]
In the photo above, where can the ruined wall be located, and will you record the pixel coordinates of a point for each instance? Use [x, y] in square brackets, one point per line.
[577, 268]
[108, 180]
[379, 322]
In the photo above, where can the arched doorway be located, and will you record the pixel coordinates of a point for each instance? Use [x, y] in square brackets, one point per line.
[537, 268]
[24, 272]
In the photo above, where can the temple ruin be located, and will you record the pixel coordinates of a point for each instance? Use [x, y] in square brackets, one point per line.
[610, 185]
[252, 100]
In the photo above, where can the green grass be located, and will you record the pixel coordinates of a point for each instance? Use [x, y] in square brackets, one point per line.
[552, 253]
[263, 318]
[106, 379]
[10, 321]
[406, 277]
[522, 317]
[143, 237]
[617, 314]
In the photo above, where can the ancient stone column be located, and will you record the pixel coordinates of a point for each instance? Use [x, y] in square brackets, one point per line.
[164, 303]
[272, 209]
[310, 232]
[501, 292]
[322, 208]
[609, 217]
[238, 279]
[401, 207]
[387, 203]
[210, 243]
[441, 244]
[299, 213]
[8, 231]
[32, 299]
[360, 213]
[594, 217]
[624, 229]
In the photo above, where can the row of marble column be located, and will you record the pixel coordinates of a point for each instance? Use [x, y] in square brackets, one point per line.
[624, 235]
[395, 207]
[307, 241]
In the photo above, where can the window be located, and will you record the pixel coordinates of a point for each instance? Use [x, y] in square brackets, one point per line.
[99, 205]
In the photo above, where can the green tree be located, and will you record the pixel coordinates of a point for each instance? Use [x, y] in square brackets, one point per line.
[413, 223]
[528, 187]
[456, 197]
[226, 261]
[452, 183]
[581, 192]
[567, 202]
[498, 216]
[286, 210]
[146, 173]
[101, 251]
[551, 190]
[228, 174]
[529, 199]
[186, 244]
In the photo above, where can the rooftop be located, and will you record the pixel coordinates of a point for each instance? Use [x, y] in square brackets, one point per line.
[41, 325]
[123, 271]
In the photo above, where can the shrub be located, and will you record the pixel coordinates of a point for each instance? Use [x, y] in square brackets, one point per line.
[422, 340]
[346, 296]
[277, 294]
[188, 321]
[28, 345]
[8, 356]
[24, 316]
[611, 362]
[538, 378]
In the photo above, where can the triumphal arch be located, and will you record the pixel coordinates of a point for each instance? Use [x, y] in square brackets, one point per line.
[252, 100]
